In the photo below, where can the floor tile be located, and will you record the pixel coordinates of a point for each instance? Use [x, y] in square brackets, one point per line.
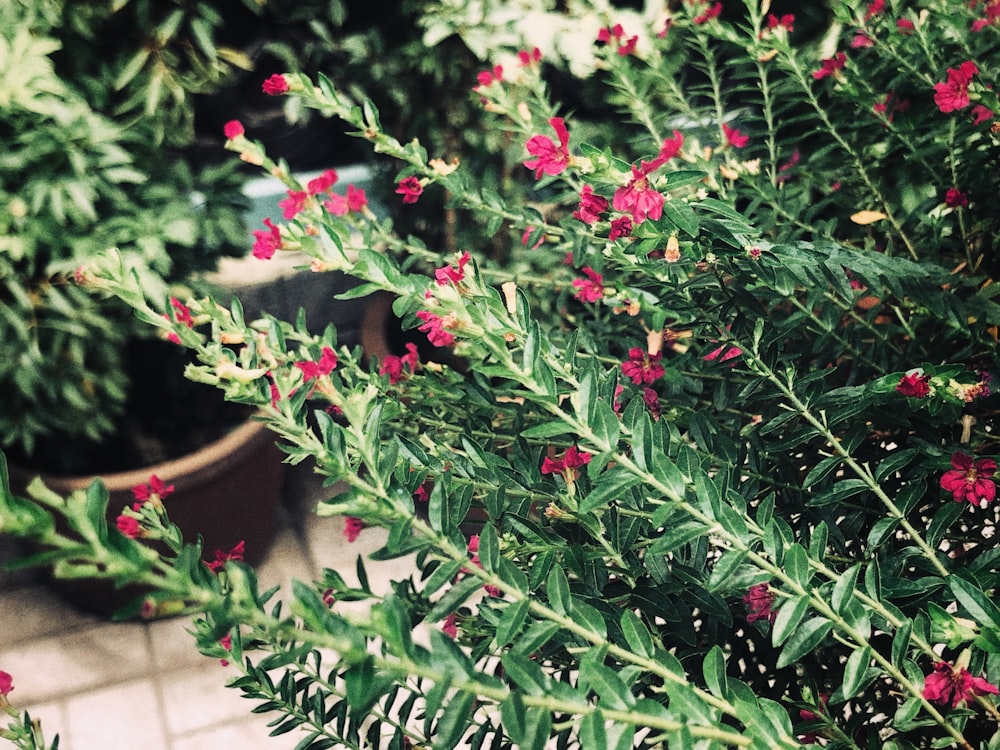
[124, 717]
[31, 611]
[197, 699]
[247, 734]
[57, 666]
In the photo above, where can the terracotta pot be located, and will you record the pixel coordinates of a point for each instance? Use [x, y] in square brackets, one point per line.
[227, 491]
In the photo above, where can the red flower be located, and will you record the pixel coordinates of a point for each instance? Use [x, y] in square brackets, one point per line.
[637, 197]
[489, 77]
[450, 627]
[527, 58]
[294, 203]
[265, 244]
[955, 198]
[6, 683]
[182, 313]
[953, 686]
[156, 486]
[322, 183]
[970, 480]
[128, 525]
[981, 114]
[410, 188]
[620, 227]
[352, 528]
[326, 364]
[572, 459]
[591, 206]
[759, 600]
[709, 14]
[397, 367]
[590, 289]
[338, 204]
[641, 367]
[830, 66]
[549, 158]
[734, 137]
[953, 94]
[786, 22]
[221, 558]
[275, 85]
[652, 401]
[874, 9]
[914, 385]
[226, 642]
[233, 129]
[433, 326]
[905, 26]
[453, 274]
[861, 41]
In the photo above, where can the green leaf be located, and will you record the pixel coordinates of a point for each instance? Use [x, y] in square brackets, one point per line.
[789, 616]
[557, 590]
[856, 672]
[636, 634]
[797, 565]
[457, 716]
[843, 589]
[976, 603]
[803, 640]
[592, 733]
[714, 670]
[513, 619]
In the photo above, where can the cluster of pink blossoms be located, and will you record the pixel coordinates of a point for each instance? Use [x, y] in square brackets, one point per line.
[616, 34]
[572, 459]
[155, 491]
[399, 367]
[221, 558]
[991, 14]
[953, 93]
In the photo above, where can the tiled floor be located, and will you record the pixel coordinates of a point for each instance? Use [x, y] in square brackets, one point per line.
[143, 686]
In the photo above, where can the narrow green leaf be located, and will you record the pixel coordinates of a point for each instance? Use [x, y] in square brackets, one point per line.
[636, 633]
[557, 589]
[803, 640]
[789, 616]
[855, 671]
[714, 671]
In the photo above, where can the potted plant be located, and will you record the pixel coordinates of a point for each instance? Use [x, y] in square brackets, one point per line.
[731, 424]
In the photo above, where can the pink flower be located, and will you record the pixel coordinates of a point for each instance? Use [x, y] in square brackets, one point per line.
[571, 460]
[905, 26]
[641, 367]
[226, 642]
[433, 326]
[637, 197]
[953, 686]
[549, 158]
[874, 9]
[709, 14]
[265, 244]
[723, 354]
[759, 600]
[591, 206]
[294, 203]
[786, 22]
[620, 227]
[352, 528]
[830, 66]
[953, 94]
[275, 85]
[221, 558]
[410, 188]
[487, 78]
[527, 58]
[326, 364]
[450, 626]
[156, 487]
[233, 129]
[734, 137]
[914, 385]
[862, 41]
[955, 198]
[6, 683]
[454, 274]
[969, 479]
[590, 289]
[355, 200]
[652, 401]
[422, 495]
[128, 525]
[322, 183]
[399, 367]
[981, 114]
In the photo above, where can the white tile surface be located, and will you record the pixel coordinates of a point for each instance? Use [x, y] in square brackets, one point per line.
[125, 717]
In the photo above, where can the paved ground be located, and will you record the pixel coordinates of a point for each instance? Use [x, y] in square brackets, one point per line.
[143, 686]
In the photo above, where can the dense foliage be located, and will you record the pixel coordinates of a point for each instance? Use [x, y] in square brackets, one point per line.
[722, 418]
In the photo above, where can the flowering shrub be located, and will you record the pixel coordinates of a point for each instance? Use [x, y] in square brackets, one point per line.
[713, 418]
